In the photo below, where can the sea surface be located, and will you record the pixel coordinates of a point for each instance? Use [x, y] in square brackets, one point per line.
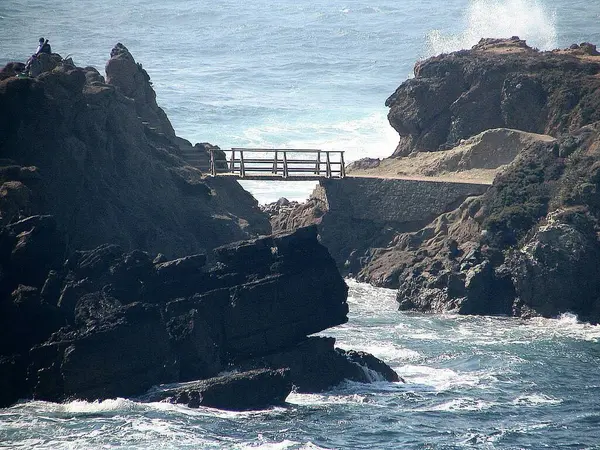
[316, 74]
[471, 383]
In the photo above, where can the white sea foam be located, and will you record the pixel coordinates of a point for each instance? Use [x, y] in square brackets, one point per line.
[460, 404]
[391, 352]
[269, 445]
[325, 399]
[528, 19]
[439, 379]
[535, 400]
[566, 325]
[365, 299]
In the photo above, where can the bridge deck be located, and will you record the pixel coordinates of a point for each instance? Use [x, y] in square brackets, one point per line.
[272, 177]
[283, 164]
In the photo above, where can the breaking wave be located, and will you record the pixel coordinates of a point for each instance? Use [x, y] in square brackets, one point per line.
[530, 20]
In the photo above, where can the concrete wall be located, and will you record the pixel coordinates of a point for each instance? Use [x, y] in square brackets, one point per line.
[366, 213]
[393, 200]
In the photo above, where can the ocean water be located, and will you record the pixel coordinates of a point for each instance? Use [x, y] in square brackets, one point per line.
[471, 383]
[316, 74]
[287, 74]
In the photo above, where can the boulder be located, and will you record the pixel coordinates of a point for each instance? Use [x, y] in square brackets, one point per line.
[316, 365]
[257, 389]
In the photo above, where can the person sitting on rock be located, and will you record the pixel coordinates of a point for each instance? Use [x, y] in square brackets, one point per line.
[43, 47]
[33, 67]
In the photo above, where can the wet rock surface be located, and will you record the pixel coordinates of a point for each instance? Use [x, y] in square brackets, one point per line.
[256, 389]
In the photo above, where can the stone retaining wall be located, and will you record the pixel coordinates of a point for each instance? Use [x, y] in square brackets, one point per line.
[367, 213]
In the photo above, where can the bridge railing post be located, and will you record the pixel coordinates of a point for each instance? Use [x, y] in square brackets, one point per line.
[242, 168]
[275, 163]
[328, 162]
[318, 164]
[285, 165]
[343, 166]
[232, 161]
[213, 171]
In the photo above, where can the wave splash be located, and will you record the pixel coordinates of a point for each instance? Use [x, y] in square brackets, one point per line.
[530, 20]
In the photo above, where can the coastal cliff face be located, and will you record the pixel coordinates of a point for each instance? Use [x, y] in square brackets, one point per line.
[93, 195]
[525, 246]
[103, 159]
[528, 246]
[498, 83]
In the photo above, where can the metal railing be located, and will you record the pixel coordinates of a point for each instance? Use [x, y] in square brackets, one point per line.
[248, 162]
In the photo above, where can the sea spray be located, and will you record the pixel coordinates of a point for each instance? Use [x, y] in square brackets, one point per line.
[530, 20]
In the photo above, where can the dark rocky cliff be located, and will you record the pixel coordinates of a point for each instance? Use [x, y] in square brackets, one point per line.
[93, 195]
[499, 83]
[529, 246]
[103, 159]
[107, 323]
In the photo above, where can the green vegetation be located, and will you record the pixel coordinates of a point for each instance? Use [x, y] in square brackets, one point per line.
[521, 195]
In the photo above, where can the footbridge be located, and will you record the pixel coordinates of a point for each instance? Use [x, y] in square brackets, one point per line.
[277, 164]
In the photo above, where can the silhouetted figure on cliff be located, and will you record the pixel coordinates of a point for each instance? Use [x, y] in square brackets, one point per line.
[43, 47]
[33, 67]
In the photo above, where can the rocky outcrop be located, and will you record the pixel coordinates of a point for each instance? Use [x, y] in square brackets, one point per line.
[527, 247]
[109, 323]
[286, 216]
[498, 83]
[133, 81]
[102, 158]
[117, 271]
[255, 389]
[316, 365]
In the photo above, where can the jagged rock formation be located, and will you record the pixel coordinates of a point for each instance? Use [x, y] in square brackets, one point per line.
[102, 158]
[527, 247]
[92, 187]
[110, 323]
[499, 83]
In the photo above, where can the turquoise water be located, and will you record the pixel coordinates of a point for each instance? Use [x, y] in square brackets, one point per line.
[316, 74]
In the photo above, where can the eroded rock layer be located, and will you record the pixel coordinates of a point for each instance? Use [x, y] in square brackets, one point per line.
[103, 159]
[498, 83]
[117, 271]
